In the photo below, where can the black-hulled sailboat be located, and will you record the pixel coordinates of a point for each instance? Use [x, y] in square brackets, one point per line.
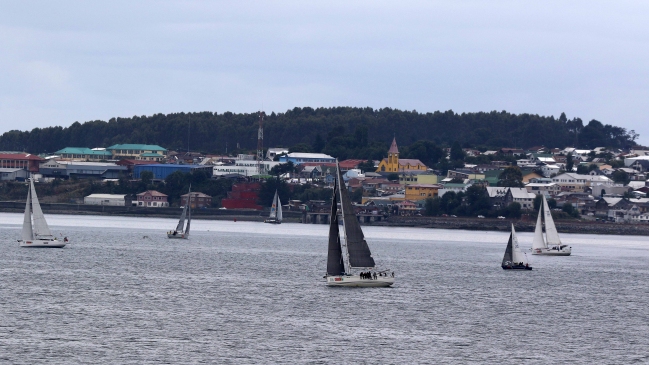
[514, 258]
[349, 252]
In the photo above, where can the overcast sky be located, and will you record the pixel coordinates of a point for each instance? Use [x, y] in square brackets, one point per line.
[68, 61]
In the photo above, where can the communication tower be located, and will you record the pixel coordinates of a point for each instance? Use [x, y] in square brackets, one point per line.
[260, 144]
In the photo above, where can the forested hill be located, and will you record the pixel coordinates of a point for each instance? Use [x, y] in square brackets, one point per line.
[363, 132]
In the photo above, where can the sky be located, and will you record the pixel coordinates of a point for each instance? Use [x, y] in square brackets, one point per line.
[68, 61]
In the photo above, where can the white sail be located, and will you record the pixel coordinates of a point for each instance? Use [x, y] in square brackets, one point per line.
[273, 207]
[40, 228]
[517, 254]
[181, 221]
[279, 209]
[28, 234]
[539, 241]
[552, 236]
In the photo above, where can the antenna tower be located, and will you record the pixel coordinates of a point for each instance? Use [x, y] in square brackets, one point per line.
[260, 143]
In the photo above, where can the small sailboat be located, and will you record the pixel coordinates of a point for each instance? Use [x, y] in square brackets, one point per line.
[275, 211]
[514, 258]
[550, 245]
[349, 251]
[182, 232]
[37, 233]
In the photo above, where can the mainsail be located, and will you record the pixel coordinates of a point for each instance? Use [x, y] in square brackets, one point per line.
[40, 229]
[335, 264]
[507, 259]
[189, 215]
[517, 254]
[28, 234]
[181, 221]
[273, 207]
[539, 241]
[279, 209]
[357, 248]
[552, 236]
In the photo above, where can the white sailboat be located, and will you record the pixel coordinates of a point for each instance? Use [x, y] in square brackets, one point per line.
[182, 232]
[349, 252]
[37, 233]
[514, 258]
[550, 245]
[275, 211]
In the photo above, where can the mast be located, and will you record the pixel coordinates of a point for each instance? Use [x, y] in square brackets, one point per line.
[28, 234]
[260, 143]
[189, 211]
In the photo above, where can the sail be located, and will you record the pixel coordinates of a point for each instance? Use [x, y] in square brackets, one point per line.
[539, 242]
[357, 248]
[517, 254]
[335, 264]
[279, 209]
[189, 219]
[28, 235]
[273, 207]
[40, 228]
[181, 221]
[507, 259]
[552, 236]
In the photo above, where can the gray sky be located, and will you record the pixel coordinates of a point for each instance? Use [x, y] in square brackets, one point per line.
[68, 61]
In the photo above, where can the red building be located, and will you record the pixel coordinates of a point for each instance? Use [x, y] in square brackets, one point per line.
[199, 200]
[25, 161]
[243, 196]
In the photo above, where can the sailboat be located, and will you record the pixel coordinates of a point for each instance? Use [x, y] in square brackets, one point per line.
[182, 232]
[349, 251]
[550, 245]
[37, 233]
[275, 211]
[514, 258]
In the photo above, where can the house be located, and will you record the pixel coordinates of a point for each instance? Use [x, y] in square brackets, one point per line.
[454, 187]
[301, 157]
[549, 170]
[406, 207]
[511, 151]
[13, 174]
[416, 192]
[418, 177]
[144, 152]
[152, 198]
[394, 164]
[19, 160]
[197, 200]
[547, 189]
[84, 154]
[120, 200]
[520, 196]
[575, 182]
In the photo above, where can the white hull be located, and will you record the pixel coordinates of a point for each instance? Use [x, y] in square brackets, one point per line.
[43, 243]
[356, 281]
[566, 251]
[177, 236]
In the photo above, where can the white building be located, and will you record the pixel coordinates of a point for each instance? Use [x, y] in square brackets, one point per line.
[549, 170]
[272, 152]
[105, 199]
[12, 174]
[576, 182]
[245, 165]
[547, 189]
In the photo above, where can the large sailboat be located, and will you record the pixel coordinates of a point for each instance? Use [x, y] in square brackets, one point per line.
[349, 251]
[37, 233]
[514, 258]
[550, 245]
[275, 211]
[182, 232]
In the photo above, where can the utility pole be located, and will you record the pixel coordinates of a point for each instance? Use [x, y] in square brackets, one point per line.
[260, 143]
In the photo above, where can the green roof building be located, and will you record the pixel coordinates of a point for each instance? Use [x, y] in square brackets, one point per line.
[146, 152]
[84, 153]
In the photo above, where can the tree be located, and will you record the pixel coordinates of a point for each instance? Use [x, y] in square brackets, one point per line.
[538, 200]
[457, 153]
[620, 177]
[367, 166]
[570, 210]
[393, 177]
[511, 177]
[552, 204]
[300, 147]
[318, 143]
[514, 210]
[432, 207]
[582, 169]
[268, 188]
[477, 199]
[146, 177]
[569, 162]
[282, 169]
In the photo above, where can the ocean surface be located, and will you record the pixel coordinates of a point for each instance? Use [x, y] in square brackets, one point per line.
[253, 293]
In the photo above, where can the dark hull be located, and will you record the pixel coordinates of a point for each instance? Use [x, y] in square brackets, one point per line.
[516, 267]
[272, 221]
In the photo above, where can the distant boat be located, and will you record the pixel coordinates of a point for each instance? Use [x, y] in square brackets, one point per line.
[349, 252]
[182, 232]
[514, 258]
[37, 234]
[550, 245]
[275, 211]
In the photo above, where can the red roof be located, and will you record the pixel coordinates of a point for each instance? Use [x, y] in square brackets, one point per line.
[152, 193]
[350, 164]
[20, 156]
[132, 162]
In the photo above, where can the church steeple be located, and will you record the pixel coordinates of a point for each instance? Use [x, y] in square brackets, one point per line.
[393, 147]
[393, 156]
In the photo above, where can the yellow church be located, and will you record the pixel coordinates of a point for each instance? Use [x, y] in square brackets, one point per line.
[394, 164]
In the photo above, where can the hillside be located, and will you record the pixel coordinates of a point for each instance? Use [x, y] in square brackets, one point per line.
[342, 131]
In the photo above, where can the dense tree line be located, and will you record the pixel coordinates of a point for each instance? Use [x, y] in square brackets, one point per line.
[343, 132]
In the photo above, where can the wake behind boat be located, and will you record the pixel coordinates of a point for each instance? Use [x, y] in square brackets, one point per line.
[275, 211]
[514, 258]
[182, 232]
[349, 251]
[37, 233]
[550, 245]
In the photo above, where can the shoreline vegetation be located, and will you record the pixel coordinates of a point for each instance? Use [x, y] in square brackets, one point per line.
[461, 223]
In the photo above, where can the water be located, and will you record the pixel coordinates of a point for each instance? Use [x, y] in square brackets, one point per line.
[253, 293]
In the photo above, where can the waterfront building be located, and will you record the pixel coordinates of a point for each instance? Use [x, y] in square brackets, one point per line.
[119, 200]
[198, 200]
[416, 192]
[152, 198]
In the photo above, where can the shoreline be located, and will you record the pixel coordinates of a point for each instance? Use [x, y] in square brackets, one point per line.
[460, 223]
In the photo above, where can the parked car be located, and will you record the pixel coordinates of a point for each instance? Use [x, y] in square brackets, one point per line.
[453, 215]
[501, 217]
[481, 216]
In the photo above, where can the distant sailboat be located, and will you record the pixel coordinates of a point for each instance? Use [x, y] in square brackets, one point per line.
[349, 251]
[550, 245]
[182, 232]
[514, 258]
[37, 234]
[275, 211]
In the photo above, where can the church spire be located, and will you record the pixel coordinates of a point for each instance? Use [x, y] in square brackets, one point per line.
[393, 147]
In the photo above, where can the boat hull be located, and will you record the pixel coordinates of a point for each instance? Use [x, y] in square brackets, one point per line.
[516, 267]
[43, 244]
[272, 221]
[566, 251]
[356, 281]
[179, 236]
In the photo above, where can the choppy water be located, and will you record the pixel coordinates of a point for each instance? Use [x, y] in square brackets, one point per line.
[253, 293]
